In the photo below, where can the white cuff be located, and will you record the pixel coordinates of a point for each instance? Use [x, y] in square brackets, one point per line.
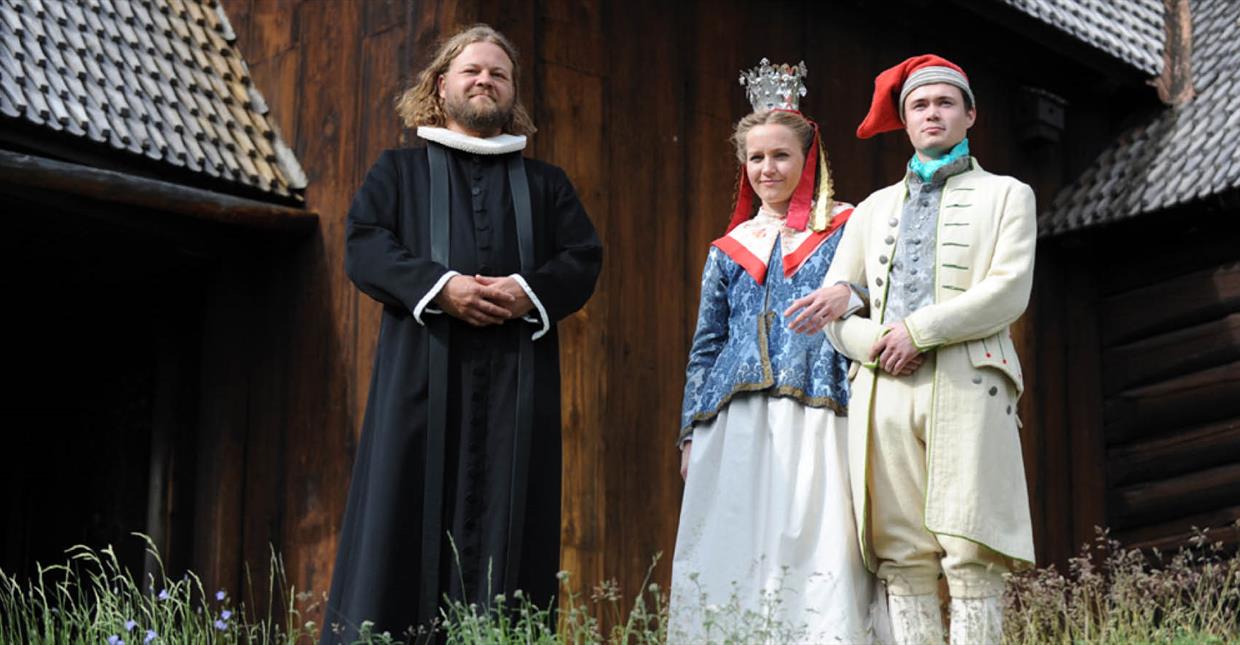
[855, 303]
[546, 321]
[430, 295]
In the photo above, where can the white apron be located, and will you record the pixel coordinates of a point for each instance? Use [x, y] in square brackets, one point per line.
[767, 550]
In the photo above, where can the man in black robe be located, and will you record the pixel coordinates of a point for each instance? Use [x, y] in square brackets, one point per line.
[475, 254]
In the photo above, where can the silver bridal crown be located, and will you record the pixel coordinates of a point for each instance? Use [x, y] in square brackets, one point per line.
[778, 87]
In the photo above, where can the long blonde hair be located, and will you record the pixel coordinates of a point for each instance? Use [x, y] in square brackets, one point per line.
[421, 105]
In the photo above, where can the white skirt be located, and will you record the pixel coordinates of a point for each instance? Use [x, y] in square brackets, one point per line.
[767, 550]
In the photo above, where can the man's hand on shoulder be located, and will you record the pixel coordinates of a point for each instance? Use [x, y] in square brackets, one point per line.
[519, 304]
[476, 302]
[895, 351]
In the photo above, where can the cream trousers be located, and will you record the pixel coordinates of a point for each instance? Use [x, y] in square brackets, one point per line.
[910, 558]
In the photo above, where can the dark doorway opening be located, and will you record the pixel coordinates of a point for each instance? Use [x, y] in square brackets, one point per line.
[100, 343]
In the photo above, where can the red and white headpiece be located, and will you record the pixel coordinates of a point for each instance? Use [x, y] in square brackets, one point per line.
[781, 87]
[893, 85]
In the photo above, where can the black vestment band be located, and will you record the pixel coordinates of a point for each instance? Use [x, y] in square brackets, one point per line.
[438, 383]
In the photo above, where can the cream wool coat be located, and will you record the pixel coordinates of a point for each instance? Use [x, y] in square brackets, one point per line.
[984, 273]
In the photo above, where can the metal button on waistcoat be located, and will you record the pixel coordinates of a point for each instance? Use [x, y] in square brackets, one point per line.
[893, 222]
[889, 240]
[882, 259]
[878, 281]
[477, 190]
[977, 380]
[993, 390]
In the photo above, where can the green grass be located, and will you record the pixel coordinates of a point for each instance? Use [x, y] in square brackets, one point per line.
[1114, 595]
[1109, 595]
[91, 598]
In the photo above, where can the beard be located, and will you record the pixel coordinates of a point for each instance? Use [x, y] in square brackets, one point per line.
[485, 117]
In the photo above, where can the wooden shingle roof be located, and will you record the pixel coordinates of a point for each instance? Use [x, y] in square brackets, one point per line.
[158, 78]
[1185, 153]
[1130, 31]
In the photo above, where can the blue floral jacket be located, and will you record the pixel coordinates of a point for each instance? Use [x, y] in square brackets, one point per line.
[743, 343]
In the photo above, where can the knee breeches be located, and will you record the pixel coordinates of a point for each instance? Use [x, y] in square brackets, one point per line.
[910, 557]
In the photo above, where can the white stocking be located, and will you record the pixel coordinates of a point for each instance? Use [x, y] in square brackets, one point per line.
[915, 620]
[977, 621]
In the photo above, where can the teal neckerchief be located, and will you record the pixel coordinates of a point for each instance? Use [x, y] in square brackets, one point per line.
[926, 169]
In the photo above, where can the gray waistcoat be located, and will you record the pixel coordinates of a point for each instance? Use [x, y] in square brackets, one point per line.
[912, 268]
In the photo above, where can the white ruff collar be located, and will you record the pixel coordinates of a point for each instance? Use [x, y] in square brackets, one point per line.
[497, 145]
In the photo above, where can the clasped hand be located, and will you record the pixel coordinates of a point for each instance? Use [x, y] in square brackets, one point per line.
[896, 353]
[483, 300]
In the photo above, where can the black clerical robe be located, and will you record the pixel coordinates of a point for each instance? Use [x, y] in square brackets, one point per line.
[379, 565]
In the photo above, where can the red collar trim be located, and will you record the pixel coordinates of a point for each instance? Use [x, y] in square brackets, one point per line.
[794, 260]
[752, 264]
[756, 267]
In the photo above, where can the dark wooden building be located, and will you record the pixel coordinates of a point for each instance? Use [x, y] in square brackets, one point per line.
[152, 220]
[208, 343]
[1139, 297]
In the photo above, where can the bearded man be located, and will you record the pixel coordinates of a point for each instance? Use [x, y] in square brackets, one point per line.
[475, 254]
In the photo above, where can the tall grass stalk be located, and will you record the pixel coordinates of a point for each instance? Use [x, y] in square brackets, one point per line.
[92, 598]
[1114, 595]
[1109, 595]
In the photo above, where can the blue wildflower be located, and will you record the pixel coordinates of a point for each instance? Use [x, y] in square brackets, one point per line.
[220, 595]
[221, 625]
[226, 614]
[130, 624]
[163, 594]
[150, 636]
[115, 640]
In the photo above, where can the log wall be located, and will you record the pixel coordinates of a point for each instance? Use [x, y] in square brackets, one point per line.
[1170, 355]
[1140, 368]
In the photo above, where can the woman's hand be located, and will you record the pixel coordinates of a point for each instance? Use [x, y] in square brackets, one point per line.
[821, 306]
[684, 459]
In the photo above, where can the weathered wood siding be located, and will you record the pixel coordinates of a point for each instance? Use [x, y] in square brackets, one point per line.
[1170, 338]
[1141, 365]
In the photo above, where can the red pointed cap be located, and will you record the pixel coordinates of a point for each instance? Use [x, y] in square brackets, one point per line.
[894, 84]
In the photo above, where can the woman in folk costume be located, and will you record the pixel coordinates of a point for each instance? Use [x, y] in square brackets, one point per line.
[766, 534]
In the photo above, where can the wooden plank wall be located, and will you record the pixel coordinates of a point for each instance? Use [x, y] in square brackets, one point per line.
[1139, 368]
[1170, 354]
[635, 100]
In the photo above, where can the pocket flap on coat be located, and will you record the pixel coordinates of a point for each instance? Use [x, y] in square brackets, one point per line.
[999, 353]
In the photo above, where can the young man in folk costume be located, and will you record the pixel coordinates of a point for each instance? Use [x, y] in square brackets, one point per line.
[475, 254]
[945, 257]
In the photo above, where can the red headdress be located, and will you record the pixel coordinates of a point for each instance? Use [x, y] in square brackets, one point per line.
[780, 88]
[893, 85]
